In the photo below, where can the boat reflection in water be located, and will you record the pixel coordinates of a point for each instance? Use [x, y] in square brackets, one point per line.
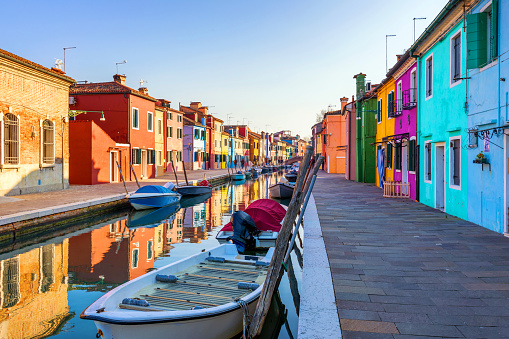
[43, 286]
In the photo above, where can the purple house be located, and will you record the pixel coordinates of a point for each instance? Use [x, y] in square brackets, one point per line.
[404, 73]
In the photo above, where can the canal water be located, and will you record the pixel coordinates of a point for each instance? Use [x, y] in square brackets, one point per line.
[45, 286]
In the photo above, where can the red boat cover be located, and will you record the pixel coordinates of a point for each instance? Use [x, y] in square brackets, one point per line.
[266, 213]
[204, 183]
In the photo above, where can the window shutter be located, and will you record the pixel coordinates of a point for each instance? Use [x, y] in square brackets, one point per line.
[476, 40]
[138, 156]
[494, 30]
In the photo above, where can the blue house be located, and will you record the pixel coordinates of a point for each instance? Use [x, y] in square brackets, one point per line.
[193, 144]
[486, 74]
[442, 115]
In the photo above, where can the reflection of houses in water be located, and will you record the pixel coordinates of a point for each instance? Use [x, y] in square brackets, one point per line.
[173, 230]
[112, 253]
[215, 215]
[194, 223]
[33, 292]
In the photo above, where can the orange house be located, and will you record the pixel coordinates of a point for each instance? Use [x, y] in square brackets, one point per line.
[335, 141]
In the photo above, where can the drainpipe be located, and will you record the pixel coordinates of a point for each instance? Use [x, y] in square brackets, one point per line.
[63, 160]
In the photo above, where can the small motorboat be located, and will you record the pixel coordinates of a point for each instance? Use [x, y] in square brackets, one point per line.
[151, 217]
[291, 176]
[203, 187]
[153, 196]
[265, 170]
[281, 190]
[238, 176]
[256, 227]
[192, 200]
[201, 296]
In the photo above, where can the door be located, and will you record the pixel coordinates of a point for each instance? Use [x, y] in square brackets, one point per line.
[440, 177]
[113, 166]
[404, 163]
[144, 161]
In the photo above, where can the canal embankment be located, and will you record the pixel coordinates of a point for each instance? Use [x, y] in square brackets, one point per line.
[34, 215]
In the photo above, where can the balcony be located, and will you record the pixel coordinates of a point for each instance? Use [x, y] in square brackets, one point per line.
[409, 98]
[391, 109]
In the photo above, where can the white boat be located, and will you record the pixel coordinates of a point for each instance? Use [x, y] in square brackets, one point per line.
[281, 190]
[153, 196]
[196, 297]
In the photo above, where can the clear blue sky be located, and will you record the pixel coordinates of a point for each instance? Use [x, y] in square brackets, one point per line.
[275, 63]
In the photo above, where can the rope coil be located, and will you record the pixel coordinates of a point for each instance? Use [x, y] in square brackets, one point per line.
[246, 318]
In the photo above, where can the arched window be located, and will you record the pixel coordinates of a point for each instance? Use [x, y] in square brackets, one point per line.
[11, 139]
[48, 142]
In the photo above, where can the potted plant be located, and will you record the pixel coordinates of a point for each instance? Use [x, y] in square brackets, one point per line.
[480, 159]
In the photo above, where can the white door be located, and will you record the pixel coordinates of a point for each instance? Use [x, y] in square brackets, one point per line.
[440, 177]
[113, 166]
[144, 161]
[404, 163]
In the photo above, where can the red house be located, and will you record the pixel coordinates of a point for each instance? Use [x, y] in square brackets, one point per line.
[125, 134]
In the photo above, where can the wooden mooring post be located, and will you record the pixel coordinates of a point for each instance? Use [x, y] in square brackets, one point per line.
[275, 268]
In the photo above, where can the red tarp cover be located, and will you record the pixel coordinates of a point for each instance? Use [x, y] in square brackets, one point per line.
[266, 213]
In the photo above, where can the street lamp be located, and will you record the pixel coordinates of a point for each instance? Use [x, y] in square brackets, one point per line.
[387, 36]
[414, 24]
[74, 113]
[64, 54]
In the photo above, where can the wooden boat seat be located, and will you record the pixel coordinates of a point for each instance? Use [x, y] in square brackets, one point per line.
[208, 284]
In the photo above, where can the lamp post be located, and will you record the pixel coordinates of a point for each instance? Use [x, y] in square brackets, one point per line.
[64, 54]
[414, 24]
[74, 113]
[387, 36]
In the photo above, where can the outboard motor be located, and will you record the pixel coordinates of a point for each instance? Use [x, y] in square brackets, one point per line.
[244, 231]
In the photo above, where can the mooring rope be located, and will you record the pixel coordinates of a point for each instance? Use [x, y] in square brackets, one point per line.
[246, 318]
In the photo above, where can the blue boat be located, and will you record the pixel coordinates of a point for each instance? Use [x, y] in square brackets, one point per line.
[152, 217]
[153, 196]
[238, 176]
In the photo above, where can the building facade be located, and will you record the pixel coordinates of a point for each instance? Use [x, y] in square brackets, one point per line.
[386, 143]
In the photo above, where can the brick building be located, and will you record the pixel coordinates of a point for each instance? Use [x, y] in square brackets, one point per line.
[34, 153]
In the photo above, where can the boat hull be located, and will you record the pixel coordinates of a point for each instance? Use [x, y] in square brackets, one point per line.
[140, 202]
[281, 191]
[193, 190]
[266, 239]
[237, 176]
[291, 177]
[221, 326]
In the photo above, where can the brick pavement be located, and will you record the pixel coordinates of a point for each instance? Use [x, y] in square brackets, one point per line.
[79, 193]
[401, 269]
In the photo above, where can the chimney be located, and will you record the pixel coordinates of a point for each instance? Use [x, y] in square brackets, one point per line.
[344, 101]
[120, 78]
[143, 90]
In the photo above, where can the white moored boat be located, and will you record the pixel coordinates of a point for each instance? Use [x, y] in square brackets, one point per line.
[196, 297]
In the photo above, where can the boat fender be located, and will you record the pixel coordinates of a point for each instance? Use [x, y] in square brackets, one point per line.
[197, 308]
[166, 278]
[247, 286]
[262, 263]
[216, 259]
[251, 257]
[135, 302]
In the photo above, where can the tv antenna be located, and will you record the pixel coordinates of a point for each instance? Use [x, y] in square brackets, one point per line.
[143, 82]
[120, 63]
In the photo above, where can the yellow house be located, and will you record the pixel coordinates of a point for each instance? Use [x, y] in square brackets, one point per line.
[385, 130]
[225, 137]
[159, 140]
[254, 144]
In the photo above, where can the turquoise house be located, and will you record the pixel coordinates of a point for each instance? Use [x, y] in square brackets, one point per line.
[442, 112]
[486, 70]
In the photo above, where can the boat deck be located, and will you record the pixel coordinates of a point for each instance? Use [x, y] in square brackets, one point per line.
[206, 285]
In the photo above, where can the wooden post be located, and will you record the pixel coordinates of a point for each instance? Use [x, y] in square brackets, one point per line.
[185, 174]
[122, 177]
[135, 177]
[274, 271]
[174, 172]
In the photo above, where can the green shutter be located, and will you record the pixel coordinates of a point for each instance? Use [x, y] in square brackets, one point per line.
[477, 44]
[494, 30]
[138, 156]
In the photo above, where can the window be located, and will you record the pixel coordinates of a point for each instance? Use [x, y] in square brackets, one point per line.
[362, 118]
[150, 123]
[136, 156]
[399, 100]
[196, 157]
[455, 161]
[196, 134]
[456, 58]
[379, 111]
[390, 104]
[170, 134]
[397, 156]
[202, 135]
[48, 142]
[169, 156]
[170, 115]
[159, 126]
[482, 36]
[160, 158]
[135, 258]
[11, 139]
[151, 157]
[429, 77]
[136, 118]
[411, 155]
[427, 161]
[413, 86]
[180, 118]
[149, 249]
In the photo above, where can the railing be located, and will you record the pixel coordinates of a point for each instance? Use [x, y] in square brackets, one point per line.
[396, 189]
[398, 110]
[409, 98]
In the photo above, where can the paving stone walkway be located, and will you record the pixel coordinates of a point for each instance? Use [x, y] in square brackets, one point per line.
[401, 269]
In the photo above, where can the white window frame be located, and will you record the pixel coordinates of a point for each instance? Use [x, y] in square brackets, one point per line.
[137, 118]
[415, 153]
[451, 57]
[132, 258]
[2, 140]
[389, 117]
[378, 104]
[426, 96]
[426, 180]
[41, 144]
[159, 126]
[451, 165]
[413, 75]
[150, 128]
[399, 99]
[362, 117]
